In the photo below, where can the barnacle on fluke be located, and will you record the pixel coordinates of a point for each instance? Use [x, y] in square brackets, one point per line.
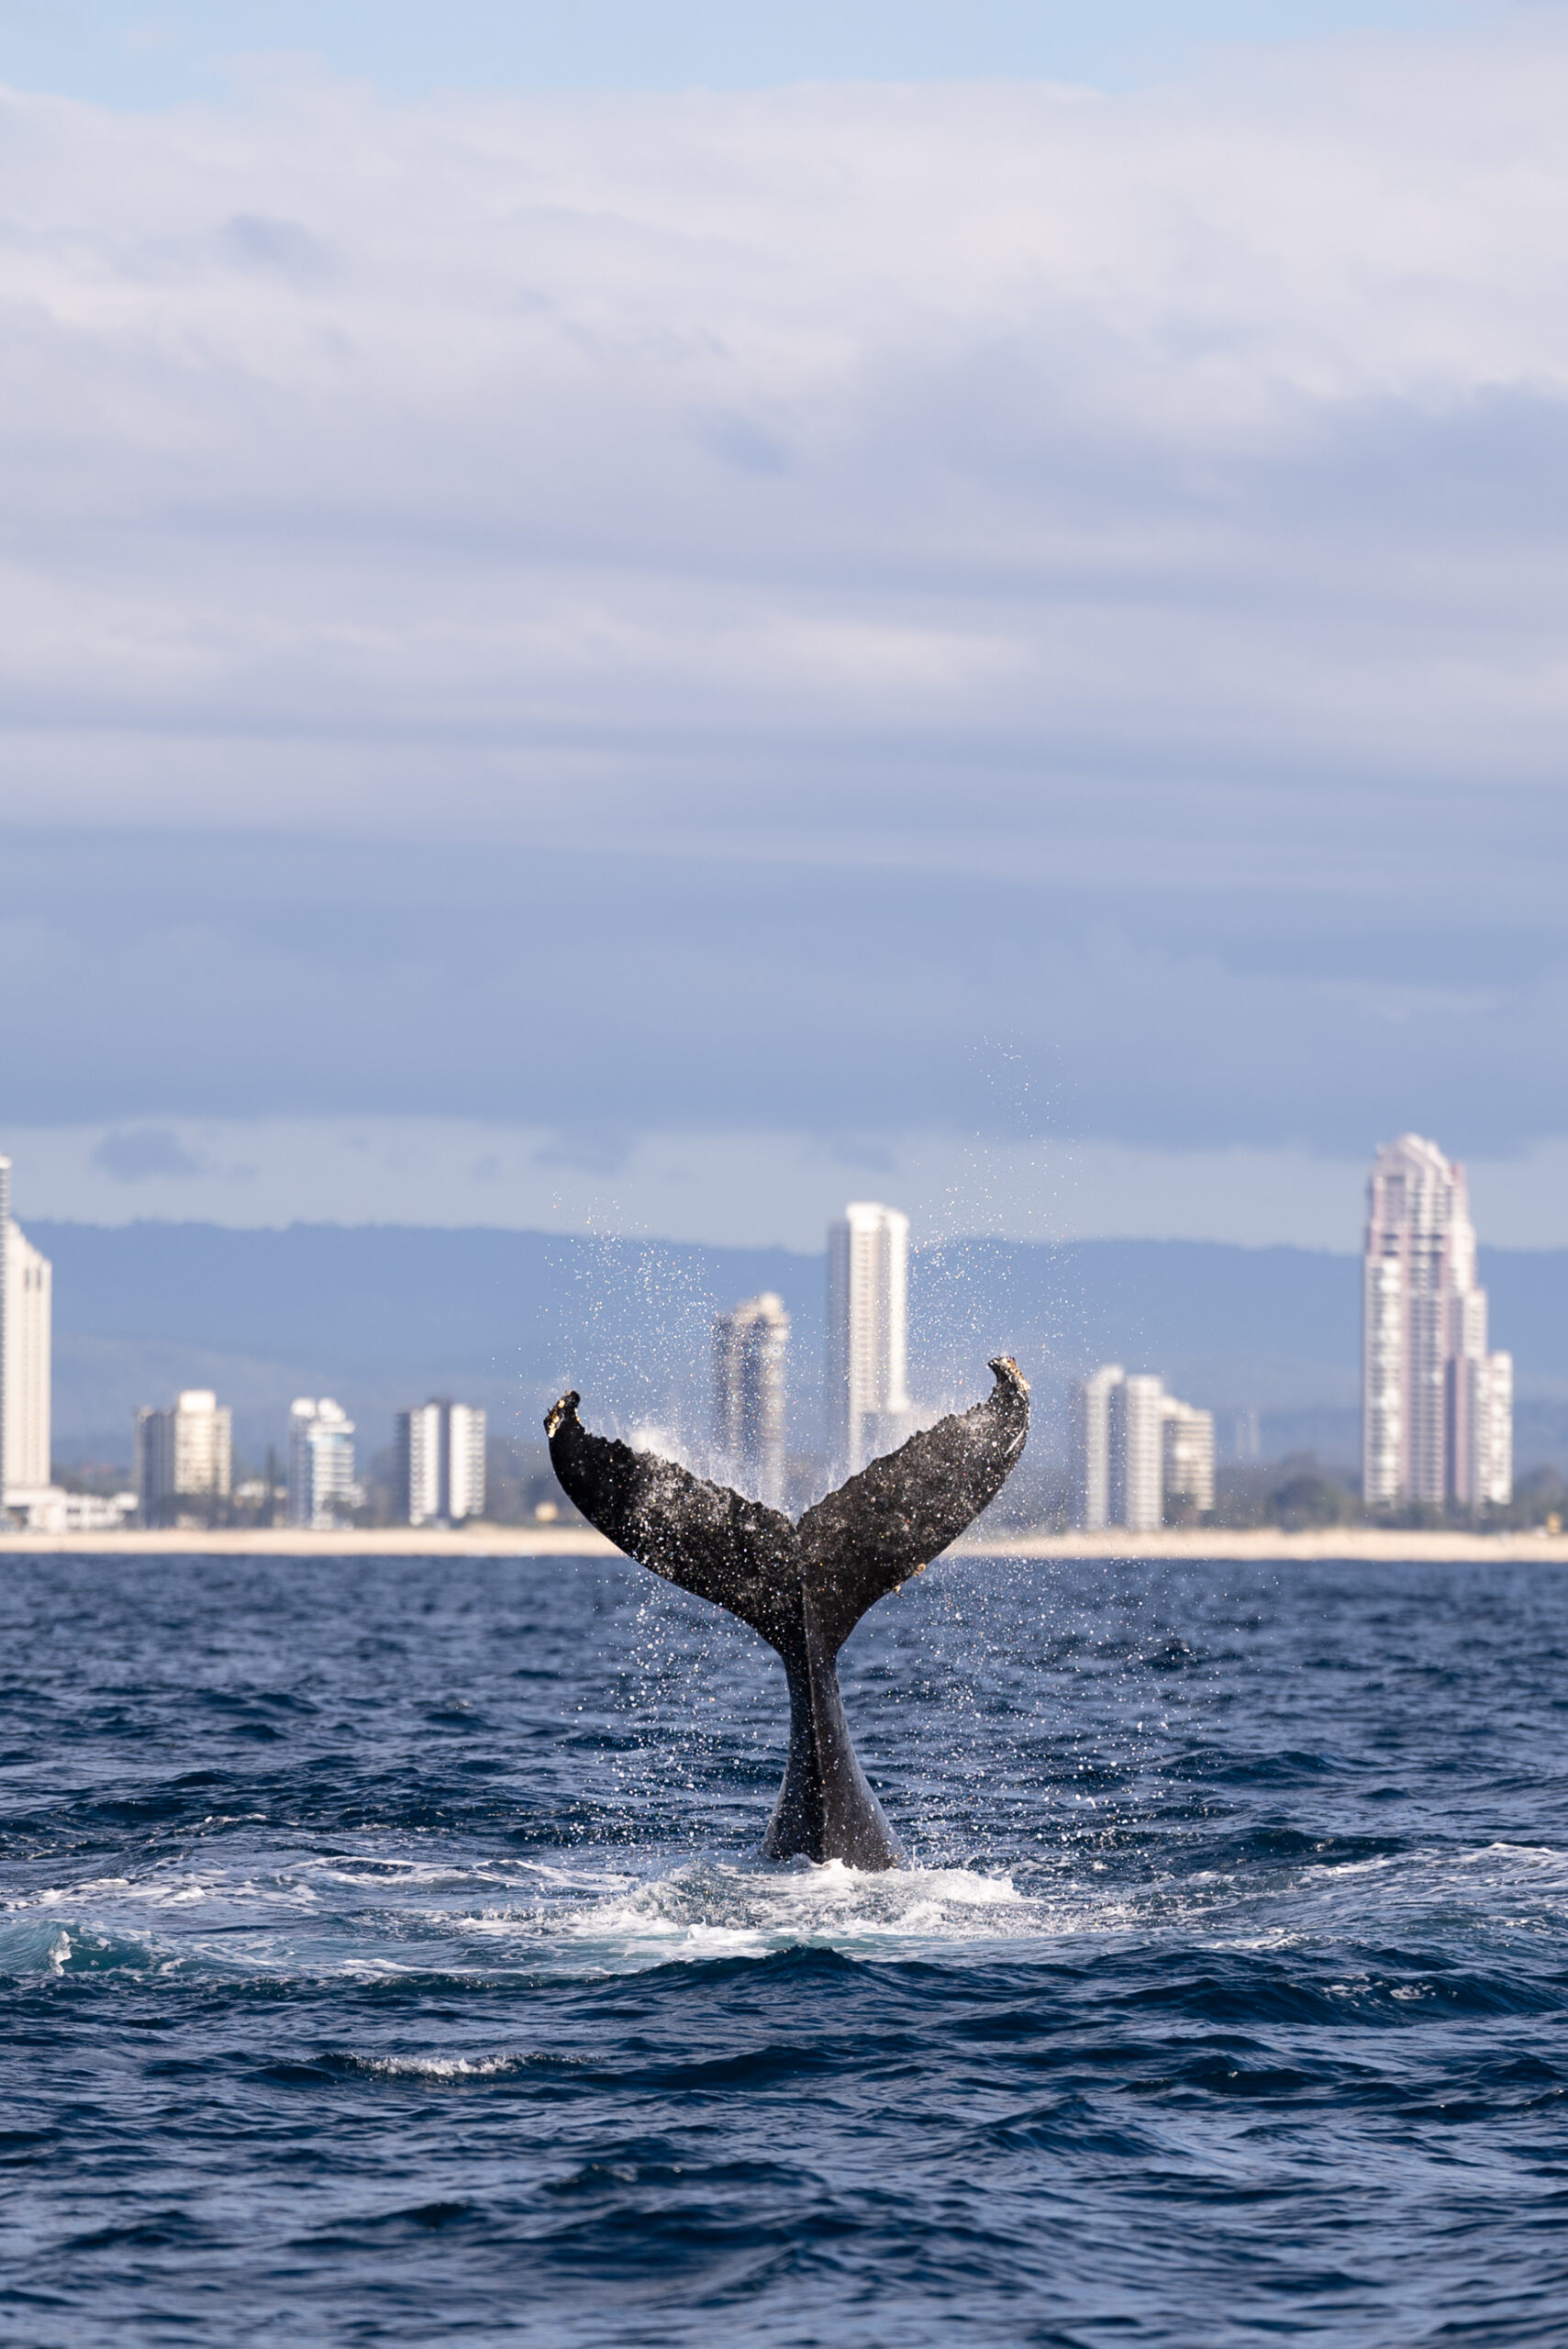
[804, 1586]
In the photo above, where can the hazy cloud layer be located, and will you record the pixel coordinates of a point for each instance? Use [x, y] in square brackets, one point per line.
[756, 1188]
[798, 609]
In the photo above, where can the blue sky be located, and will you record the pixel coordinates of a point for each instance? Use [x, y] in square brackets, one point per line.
[155, 53]
[598, 633]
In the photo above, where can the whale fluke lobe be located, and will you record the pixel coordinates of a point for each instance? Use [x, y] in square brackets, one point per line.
[804, 1587]
[901, 1511]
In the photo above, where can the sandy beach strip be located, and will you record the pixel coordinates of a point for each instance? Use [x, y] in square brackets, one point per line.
[1371, 1545]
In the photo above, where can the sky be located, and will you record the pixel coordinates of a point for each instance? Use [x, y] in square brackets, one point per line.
[656, 618]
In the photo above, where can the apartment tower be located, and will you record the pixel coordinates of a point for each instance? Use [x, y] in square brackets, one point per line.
[27, 1308]
[321, 1463]
[1092, 1447]
[868, 1410]
[1437, 1406]
[751, 1348]
[184, 1458]
[1138, 1454]
[28, 1348]
[5, 1285]
[441, 1463]
[1188, 1436]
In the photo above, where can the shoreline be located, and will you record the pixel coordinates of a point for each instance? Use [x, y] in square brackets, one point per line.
[1351, 1545]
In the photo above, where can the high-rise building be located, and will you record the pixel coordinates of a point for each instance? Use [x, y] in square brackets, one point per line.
[1188, 1436]
[1136, 1449]
[184, 1458]
[868, 1410]
[5, 1285]
[441, 1463]
[1437, 1406]
[321, 1463]
[1092, 1447]
[751, 1348]
[27, 1287]
[1138, 1453]
[28, 1345]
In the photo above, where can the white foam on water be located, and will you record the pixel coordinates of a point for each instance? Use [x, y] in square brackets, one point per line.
[378, 1915]
[705, 1910]
[441, 2069]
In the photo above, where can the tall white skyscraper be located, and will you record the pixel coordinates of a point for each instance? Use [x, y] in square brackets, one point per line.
[28, 1348]
[27, 1311]
[441, 1463]
[751, 1348]
[868, 1410]
[321, 1463]
[183, 1457]
[1437, 1406]
[1138, 1454]
[4, 1288]
[1092, 1447]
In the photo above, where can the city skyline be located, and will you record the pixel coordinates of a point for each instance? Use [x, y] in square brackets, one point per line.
[1163, 1447]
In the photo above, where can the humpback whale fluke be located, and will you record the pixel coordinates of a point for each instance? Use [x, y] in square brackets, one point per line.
[804, 1586]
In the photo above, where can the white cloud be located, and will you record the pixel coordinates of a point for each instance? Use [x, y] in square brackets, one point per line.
[579, 435]
[1153, 502]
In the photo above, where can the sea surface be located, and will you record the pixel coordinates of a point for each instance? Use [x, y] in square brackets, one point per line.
[384, 1957]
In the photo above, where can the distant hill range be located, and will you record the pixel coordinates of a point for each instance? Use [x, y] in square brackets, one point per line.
[382, 1316]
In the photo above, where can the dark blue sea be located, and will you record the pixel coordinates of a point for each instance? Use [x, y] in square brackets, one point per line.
[384, 1958]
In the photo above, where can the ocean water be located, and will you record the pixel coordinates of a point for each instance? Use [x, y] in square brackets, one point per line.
[384, 1958]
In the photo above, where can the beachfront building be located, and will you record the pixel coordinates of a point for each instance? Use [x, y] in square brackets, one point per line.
[321, 1463]
[5, 1285]
[26, 1315]
[1437, 1405]
[185, 1459]
[50, 1508]
[869, 1411]
[1092, 1447]
[1188, 1462]
[1136, 1452]
[441, 1463]
[750, 1348]
[27, 1346]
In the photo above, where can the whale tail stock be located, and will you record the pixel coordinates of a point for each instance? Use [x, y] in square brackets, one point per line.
[803, 1586]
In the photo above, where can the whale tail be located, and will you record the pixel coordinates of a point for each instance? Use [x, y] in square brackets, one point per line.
[862, 1542]
[804, 1586]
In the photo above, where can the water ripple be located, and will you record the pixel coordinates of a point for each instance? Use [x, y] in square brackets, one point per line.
[384, 1956]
